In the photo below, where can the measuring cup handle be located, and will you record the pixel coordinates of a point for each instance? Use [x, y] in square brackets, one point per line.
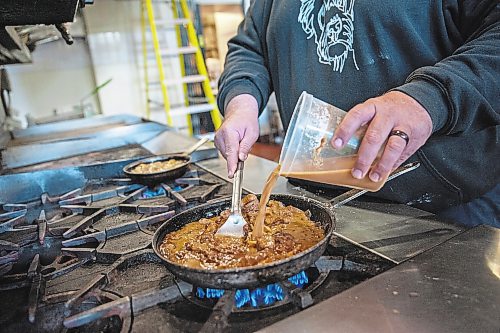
[355, 193]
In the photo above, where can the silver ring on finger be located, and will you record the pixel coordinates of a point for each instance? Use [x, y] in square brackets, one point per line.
[401, 134]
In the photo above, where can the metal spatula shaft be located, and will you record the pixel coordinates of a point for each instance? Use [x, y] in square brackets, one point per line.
[235, 222]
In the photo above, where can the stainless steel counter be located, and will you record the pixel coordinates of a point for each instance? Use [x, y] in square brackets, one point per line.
[394, 231]
[447, 279]
[455, 287]
[40, 145]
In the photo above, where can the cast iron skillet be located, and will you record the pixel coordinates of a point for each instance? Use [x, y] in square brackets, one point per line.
[161, 176]
[247, 277]
[250, 277]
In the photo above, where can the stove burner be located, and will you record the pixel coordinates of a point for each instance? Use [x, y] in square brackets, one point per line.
[149, 193]
[39, 212]
[179, 188]
[82, 261]
[103, 194]
[259, 297]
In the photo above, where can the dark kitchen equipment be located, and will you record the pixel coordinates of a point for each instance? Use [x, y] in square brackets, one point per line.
[116, 282]
[241, 278]
[248, 277]
[161, 176]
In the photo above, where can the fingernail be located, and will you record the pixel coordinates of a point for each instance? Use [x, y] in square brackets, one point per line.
[242, 157]
[338, 143]
[375, 177]
[356, 173]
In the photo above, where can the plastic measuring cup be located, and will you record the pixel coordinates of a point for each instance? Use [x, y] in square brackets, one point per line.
[307, 152]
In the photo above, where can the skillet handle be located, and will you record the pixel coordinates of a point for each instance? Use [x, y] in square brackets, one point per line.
[197, 145]
[355, 193]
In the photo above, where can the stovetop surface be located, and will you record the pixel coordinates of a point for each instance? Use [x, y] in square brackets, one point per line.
[82, 261]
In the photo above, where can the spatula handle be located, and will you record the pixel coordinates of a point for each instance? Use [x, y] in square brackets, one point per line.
[195, 147]
[237, 180]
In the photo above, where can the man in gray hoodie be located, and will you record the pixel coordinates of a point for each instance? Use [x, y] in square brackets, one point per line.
[424, 76]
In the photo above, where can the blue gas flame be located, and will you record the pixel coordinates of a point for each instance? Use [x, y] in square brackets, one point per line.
[256, 297]
[178, 188]
[299, 280]
[151, 193]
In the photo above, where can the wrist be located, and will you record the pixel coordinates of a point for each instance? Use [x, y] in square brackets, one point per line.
[416, 110]
[229, 90]
[245, 104]
[431, 98]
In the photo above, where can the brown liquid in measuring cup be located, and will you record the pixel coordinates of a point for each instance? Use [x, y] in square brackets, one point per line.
[336, 171]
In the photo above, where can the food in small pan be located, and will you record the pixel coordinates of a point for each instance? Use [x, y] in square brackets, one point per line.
[145, 168]
[288, 231]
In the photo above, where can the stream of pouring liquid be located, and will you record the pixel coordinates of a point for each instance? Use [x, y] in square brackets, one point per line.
[337, 171]
[258, 228]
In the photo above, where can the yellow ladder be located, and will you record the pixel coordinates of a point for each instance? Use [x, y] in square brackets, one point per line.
[177, 22]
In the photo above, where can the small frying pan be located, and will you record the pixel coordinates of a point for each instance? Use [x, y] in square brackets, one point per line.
[161, 176]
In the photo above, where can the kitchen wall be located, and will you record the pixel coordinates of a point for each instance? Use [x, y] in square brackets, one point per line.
[113, 30]
[59, 77]
[115, 44]
[114, 34]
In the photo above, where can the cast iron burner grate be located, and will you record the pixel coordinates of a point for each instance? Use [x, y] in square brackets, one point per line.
[52, 246]
[156, 290]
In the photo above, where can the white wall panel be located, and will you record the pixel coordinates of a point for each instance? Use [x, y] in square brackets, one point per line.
[111, 27]
[115, 43]
[56, 80]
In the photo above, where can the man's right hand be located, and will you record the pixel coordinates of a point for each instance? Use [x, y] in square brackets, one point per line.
[239, 131]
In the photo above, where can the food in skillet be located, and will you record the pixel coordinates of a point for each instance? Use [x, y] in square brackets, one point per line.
[288, 231]
[159, 166]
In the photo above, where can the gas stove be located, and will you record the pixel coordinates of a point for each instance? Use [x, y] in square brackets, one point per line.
[82, 261]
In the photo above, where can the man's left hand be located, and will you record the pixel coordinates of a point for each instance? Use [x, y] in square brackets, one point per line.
[393, 111]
